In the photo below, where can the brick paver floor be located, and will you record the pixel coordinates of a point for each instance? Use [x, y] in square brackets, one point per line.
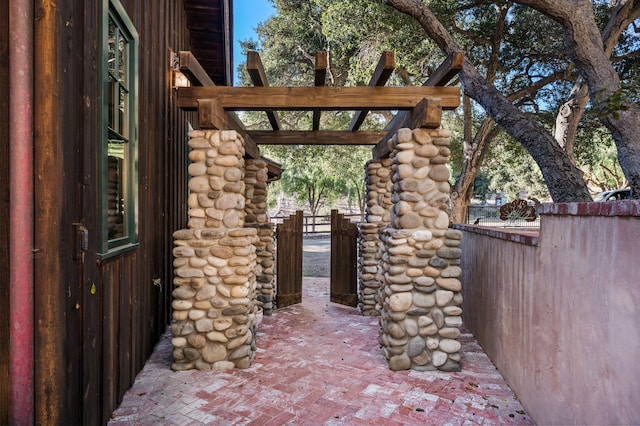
[320, 363]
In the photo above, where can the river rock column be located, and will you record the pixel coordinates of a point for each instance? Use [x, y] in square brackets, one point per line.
[214, 308]
[256, 178]
[421, 315]
[378, 214]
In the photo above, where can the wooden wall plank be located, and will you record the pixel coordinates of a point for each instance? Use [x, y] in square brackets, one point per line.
[90, 405]
[110, 309]
[110, 277]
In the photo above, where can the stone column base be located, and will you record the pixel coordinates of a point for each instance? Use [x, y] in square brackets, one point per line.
[214, 309]
[420, 300]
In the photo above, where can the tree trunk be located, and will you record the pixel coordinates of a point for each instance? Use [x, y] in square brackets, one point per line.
[571, 111]
[569, 117]
[585, 47]
[563, 179]
[462, 190]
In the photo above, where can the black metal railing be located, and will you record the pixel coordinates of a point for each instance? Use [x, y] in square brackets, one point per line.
[490, 216]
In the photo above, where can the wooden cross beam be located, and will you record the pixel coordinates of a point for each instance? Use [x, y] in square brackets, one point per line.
[318, 137]
[259, 79]
[317, 98]
[320, 78]
[384, 69]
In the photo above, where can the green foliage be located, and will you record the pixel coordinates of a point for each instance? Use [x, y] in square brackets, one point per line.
[319, 175]
[609, 103]
[356, 32]
[512, 170]
[600, 164]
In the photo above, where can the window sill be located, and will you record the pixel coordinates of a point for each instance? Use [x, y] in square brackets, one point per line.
[116, 251]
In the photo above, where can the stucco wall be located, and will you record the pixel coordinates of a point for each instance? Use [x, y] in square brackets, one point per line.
[558, 314]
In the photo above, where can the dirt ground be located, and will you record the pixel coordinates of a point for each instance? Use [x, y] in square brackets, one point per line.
[316, 257]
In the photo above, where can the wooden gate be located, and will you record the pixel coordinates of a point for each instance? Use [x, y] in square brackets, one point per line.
[289, 261]
[344, 259]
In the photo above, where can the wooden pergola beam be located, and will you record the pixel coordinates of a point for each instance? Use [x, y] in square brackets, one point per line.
[449, 68]
[259, 79]
[318, 137]
[384, 69]
[191, 68]
[317, 98]
[320, 79]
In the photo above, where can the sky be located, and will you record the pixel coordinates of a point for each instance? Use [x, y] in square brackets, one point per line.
[247, 14]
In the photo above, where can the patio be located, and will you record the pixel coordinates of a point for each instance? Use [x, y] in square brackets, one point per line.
[319, 363]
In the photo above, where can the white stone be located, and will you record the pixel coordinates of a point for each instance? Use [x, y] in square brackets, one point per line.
[452, 284]
[453, 310]
[400, 302]
[222, 324]
[422, 235]
[199, 184]
[179, 342]
[404, 135]
[423, 300]
[404, 157]
[453, 321]
[438, 358]
[197, 169]
[450, 346]
[432, 343]
[442, 221]
[443, 297]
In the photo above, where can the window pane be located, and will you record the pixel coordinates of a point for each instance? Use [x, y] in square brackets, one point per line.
[122, 59]
[123, 108]
[116, 223]
[111, 46]
[111, 87]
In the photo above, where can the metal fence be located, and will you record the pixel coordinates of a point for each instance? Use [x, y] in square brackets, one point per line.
[490, 216]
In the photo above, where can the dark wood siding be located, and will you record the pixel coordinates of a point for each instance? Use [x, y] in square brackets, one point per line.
[98, 321]
[4, 212]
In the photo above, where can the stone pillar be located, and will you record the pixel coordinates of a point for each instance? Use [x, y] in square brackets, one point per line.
[421, 315]
[378, 214]
[256, 175]
[214, 307]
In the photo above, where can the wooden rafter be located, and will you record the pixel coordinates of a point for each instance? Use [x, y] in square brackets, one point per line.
[320, 78]
[319, 137]
[259, 79]
[191, 68]
[317, 98]
[384, 69]
[442, 75]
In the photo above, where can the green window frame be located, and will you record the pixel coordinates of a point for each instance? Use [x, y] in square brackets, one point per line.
[118, 132]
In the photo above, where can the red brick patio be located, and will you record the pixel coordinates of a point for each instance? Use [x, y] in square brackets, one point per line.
[319, 363]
